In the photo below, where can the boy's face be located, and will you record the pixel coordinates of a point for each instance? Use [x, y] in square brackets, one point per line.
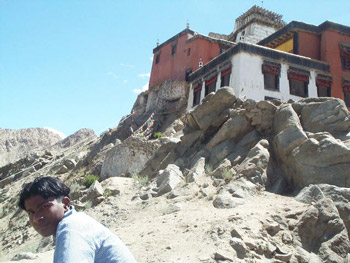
[45, 214]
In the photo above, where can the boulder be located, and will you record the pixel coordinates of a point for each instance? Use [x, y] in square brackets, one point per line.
[326, 161]
[220, 152]
[241, 188]
[70, 163]
[241, 149]
[234, 128]
[321, 231]
[324, 114]
[310, 194]
[157, 162]
[197, 173]
[288, 131]
[95, 193]
[210, 111]
[285, 118]
[168, 179]
[341, 198]
[226, 200]
[63, 169]
[261, 116]
[239, 246]
[254, 167]
[128, 157]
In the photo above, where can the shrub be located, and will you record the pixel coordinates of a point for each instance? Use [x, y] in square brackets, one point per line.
[208, 168]
[88, 205]
[74, 186]
[107, 193]
[90, 179]
[141, 180]
[227, 174]
[157, 135]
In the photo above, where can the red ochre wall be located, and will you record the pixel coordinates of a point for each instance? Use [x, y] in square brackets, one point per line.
[325, 47]
[173, 67]
[309, 45]
[330, 53]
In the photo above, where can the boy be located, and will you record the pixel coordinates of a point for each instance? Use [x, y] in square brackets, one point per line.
[78, 237]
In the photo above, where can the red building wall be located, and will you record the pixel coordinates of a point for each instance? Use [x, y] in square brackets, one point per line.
[330, 53]
[325, 47]
[309, 45]
[173, 67]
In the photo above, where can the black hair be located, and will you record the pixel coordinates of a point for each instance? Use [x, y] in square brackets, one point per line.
[44, 186]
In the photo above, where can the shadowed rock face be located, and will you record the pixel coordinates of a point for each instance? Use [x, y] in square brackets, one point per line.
[15, 144]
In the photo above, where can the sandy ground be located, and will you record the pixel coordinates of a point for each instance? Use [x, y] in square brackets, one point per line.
[185, 229]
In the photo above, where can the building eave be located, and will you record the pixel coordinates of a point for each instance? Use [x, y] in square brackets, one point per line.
[262, 51]
[295, 26]
[211, 39]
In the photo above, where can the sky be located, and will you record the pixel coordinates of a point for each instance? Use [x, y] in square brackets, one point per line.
[72, 64]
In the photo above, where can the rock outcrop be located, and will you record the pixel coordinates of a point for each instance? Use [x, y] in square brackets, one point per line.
[207, 184]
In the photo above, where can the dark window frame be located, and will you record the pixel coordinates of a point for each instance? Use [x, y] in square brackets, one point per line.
[345, 57]
[324, 86]
[299, 82]
[157, 58]
[210, 85]
[197, 94]
[270, 98]
[346, 91]
[272, 73]
[225, 77]
[173, 50]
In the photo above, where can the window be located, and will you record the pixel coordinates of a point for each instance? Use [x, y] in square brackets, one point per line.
[271, 73]
[346, 90]
[323, 84]
[173, 50]
[298, 82]
[210, 85]
[345, 57]
[347, 99]
[157, 58]
[271, 81]
[197, 94]
[225, 77]
[188, 51]
[270, 98]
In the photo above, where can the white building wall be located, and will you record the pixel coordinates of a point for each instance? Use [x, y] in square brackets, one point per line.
[247, 80]
[218, 81]
[312, 85]
[254, 33]
[190, 98]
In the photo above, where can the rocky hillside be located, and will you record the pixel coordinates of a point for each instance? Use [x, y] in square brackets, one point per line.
[232, 181]
[15, 144]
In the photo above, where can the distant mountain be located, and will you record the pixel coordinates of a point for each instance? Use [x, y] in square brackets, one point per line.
[15, 144]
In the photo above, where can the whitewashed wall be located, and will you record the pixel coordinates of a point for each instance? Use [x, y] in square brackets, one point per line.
[247, 80]
[254, 33]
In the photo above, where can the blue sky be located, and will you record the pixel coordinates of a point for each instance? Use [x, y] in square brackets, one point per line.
[71, 64]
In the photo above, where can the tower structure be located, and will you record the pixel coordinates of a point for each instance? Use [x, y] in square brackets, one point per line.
[255, 24]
